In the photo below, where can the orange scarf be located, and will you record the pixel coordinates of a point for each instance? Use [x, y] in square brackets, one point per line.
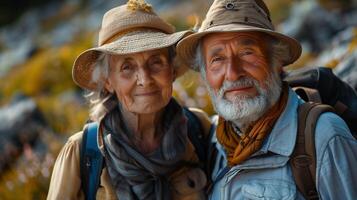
[238, 148]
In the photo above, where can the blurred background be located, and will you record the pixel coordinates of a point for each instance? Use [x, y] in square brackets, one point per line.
[40, 106]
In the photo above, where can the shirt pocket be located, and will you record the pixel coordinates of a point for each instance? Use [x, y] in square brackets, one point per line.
[269, 189]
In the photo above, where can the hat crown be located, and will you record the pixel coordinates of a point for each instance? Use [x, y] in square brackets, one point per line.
[247, 12]
[134, 14]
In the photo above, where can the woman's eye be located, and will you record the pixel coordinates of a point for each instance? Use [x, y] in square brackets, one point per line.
[157, 64]
[126, 67]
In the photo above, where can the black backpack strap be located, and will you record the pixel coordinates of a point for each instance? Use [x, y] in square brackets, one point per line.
[303, 158]
[206, 151]
[91, 161]
[196, 135]
[211, 151]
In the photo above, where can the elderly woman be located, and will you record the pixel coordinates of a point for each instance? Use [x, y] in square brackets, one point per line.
[142, 130]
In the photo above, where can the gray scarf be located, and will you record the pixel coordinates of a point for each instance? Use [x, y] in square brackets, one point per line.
[138, 176]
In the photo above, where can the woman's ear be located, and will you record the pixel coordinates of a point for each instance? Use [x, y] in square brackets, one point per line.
[108, 86]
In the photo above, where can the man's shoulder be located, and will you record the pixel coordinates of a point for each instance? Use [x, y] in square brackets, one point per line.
[329, 126]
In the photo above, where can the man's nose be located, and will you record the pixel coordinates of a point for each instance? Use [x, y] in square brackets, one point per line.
[234, 69]
[144, 77]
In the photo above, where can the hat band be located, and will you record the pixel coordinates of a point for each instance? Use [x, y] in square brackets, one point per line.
[130, 30]
[252, 24]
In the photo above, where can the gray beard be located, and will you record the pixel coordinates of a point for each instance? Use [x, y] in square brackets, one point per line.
[244, 110]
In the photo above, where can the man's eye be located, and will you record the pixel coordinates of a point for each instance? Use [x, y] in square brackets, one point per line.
[246, 53]
[217, 59]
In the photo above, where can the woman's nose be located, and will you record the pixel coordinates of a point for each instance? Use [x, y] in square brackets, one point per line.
[144, 77]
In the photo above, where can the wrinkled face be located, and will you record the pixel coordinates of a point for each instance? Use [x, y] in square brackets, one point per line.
[238, 74]
[141, 81]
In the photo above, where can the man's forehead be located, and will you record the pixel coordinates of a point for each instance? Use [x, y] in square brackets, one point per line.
[245, 38]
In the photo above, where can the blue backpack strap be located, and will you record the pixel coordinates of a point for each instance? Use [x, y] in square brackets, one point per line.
[91, 161]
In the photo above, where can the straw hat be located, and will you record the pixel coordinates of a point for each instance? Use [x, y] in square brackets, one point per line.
[236, 16]
[130, 28]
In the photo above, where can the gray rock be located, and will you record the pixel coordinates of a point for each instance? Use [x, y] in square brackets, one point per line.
[21, 124]
[315, 26]
[347, 70]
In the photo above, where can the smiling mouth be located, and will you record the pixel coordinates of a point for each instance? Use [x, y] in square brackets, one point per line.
[152, 93]
[239, 89]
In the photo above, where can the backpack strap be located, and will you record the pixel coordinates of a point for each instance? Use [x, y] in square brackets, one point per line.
[308, 94]
[195, 135]
[211, 151]
[303, 158]
[91, 161]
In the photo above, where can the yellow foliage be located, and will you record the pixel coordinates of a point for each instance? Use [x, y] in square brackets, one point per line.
[47, 72]
[279, 9]
[190, 83]
[19, 186]
[63, 117]
[353, 45]
[302, 61]
[332, 63]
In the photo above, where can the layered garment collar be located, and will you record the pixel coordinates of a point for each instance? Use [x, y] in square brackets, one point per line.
[138, 176]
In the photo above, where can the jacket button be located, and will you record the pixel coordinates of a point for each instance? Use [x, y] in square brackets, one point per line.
[229, 6]
[191, 183]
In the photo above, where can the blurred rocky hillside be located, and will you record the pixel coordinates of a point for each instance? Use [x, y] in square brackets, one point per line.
[40, 106]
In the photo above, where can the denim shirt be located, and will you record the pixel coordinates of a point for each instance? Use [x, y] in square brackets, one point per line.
[267, 173]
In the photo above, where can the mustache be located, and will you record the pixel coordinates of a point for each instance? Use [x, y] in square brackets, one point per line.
[242, 82]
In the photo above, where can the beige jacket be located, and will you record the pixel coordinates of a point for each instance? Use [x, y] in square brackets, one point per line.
[66, 183]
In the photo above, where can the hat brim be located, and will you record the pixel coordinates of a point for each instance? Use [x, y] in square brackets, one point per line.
[186, 48]
[134, 42]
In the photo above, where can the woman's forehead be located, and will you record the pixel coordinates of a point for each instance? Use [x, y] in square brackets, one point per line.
[144, 54]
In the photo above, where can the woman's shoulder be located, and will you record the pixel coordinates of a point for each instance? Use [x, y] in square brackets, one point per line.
[65, 180]
[75, 138]
[71, 148]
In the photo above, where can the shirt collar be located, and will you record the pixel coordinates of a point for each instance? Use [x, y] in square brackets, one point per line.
[282, 138]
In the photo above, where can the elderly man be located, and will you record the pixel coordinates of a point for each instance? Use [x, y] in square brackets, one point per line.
[240, 58]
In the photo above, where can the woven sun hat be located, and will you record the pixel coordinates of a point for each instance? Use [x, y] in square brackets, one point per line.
[236, 16]
[126, 29]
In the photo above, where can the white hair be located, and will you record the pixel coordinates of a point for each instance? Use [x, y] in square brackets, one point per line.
[98, 97]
